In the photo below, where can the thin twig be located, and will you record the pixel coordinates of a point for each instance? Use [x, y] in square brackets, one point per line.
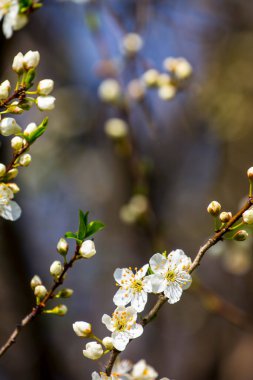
[38, 309]
[196, 262]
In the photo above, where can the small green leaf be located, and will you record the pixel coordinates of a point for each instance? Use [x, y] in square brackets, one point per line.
[82, 229]
[149, 271]
[94, 227]
[38, 132]
[29, 79]
[70, 235]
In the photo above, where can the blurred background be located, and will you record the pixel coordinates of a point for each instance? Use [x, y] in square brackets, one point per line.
[150, 188]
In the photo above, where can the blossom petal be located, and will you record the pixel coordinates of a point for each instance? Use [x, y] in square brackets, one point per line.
[11, 211]
[184, 280]
[179, 260]
[122, 297]
[123, 274]
[139, 301]
[142, 272]
[159, 263]
[157, 283]
[120, 340]
[107, 320]
[135, 331]
[173, 292]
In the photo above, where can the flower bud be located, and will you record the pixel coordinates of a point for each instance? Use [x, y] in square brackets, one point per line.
[2, 170]
[93, 350]
[14, 187]
[4, 89]
[116, 128]
[247, 216]
[87, 249]
[108, 343]
[167, 92]
[65, 293]
[25, 159]
[30, 129]
[60, 310]
[56, 268]
[14, 108]
[163, 80]
[17, 143]
[136, 90]
[35, 281]
[150, 77]
[214, 208]
[12, 174]
[225, 216]
[18, 63]
[250, 173]
[45, 87]
[40, 291]
[132, 43]
[9, 126]
[109, 91]
[45, 103]
[180, 67]
[241, 235]
[82, 329]
[31, 59]
[62, 246]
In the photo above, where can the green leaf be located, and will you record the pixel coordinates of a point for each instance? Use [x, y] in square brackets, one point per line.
[24, 5]
[94, 227]
[38, 132]
[29, 78]
[70, 235]
[82, 229]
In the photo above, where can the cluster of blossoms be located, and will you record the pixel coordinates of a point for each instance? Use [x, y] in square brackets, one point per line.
[15, 14]
[241, 230]
[17, 103]
[167, 274]
[125, 370]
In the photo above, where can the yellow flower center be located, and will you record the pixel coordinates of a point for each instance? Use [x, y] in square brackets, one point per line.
[171, 276]
[137, 286]
[121, 321]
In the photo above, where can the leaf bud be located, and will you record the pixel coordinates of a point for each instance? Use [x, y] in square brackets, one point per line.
[31, 59]
[87, 249]
[62, 246]
[35, 281]
[225, 216]
[108, 343]
[40, 291]
[18, 63]
[214, 208]
[93, 350]
[25, 159]
[240, 235]
[82, 329]
[247, 216]
[60, 310]
[56, 268]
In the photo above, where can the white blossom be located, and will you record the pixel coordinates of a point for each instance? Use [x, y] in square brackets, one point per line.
[123, 326]
[142, 371]
[170, 274]
[133, 288]
[93, 350]
[9, 209]
[12, 19]
[103, 376]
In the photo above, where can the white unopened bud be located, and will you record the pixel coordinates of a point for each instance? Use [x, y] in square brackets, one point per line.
[109, 91]
[225, 216]
[45, 103]
[62, 246]
[116, 128]
[31, 59]
[93, 350]
[30, 129]
[4, 89]
[214, 208]
[17, 143]
[25, 159]
[150, 78]
[35, 281]
[18, 63]
[40, 291]
[167, 92]
[108, 343]
[2, 170]
[14, 187]
[9, 126]
[87, 249]
[56, 268]
[163, 80]
[180, 67]
[132, 43]
[82, 329]
[45, 87]
[247, 217]
[250, 173]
